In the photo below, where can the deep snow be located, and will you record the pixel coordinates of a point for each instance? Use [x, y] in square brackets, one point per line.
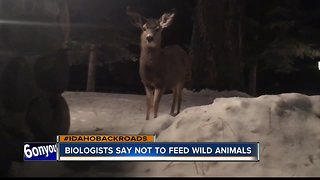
[287, 127]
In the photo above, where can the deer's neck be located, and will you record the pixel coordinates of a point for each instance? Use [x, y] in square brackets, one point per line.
[150, 55]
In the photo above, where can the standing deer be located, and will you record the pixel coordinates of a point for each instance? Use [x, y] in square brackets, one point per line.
[160, 68]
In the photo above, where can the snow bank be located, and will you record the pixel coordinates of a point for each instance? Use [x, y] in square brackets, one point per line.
[286, 125]
[105, 113]
[217, 94]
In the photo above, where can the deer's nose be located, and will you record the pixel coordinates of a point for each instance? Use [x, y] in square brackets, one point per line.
[149, 38]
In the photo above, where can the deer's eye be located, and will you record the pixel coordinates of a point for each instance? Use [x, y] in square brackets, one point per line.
[157, 28]
[144, 29]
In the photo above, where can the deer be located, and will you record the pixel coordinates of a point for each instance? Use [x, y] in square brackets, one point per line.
[160, 68]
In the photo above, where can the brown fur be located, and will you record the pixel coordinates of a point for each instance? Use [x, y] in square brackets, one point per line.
[161, 69]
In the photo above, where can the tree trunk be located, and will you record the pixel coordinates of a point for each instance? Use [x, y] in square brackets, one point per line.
[253, 80]
[64, 19]
[91, 69]
[217, 45]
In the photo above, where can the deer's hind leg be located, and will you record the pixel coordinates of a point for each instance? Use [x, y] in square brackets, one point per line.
[149, 93]
[179, 94]
[173, 106]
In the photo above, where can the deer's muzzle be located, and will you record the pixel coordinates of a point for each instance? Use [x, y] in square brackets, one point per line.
[149, 38]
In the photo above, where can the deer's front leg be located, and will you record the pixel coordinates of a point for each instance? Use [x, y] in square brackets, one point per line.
[157, 97]
[149, 93]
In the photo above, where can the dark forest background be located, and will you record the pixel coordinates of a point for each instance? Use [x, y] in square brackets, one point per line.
[258, 47]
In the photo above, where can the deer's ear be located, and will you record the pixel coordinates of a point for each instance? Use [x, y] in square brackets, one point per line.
[135, 18]
[166, 19]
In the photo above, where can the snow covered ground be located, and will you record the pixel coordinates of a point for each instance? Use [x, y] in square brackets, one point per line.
[287, 127]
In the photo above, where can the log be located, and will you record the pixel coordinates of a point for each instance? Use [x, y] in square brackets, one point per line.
[61, 114]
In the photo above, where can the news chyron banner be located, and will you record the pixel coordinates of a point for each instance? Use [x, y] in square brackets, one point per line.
[137, 148]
